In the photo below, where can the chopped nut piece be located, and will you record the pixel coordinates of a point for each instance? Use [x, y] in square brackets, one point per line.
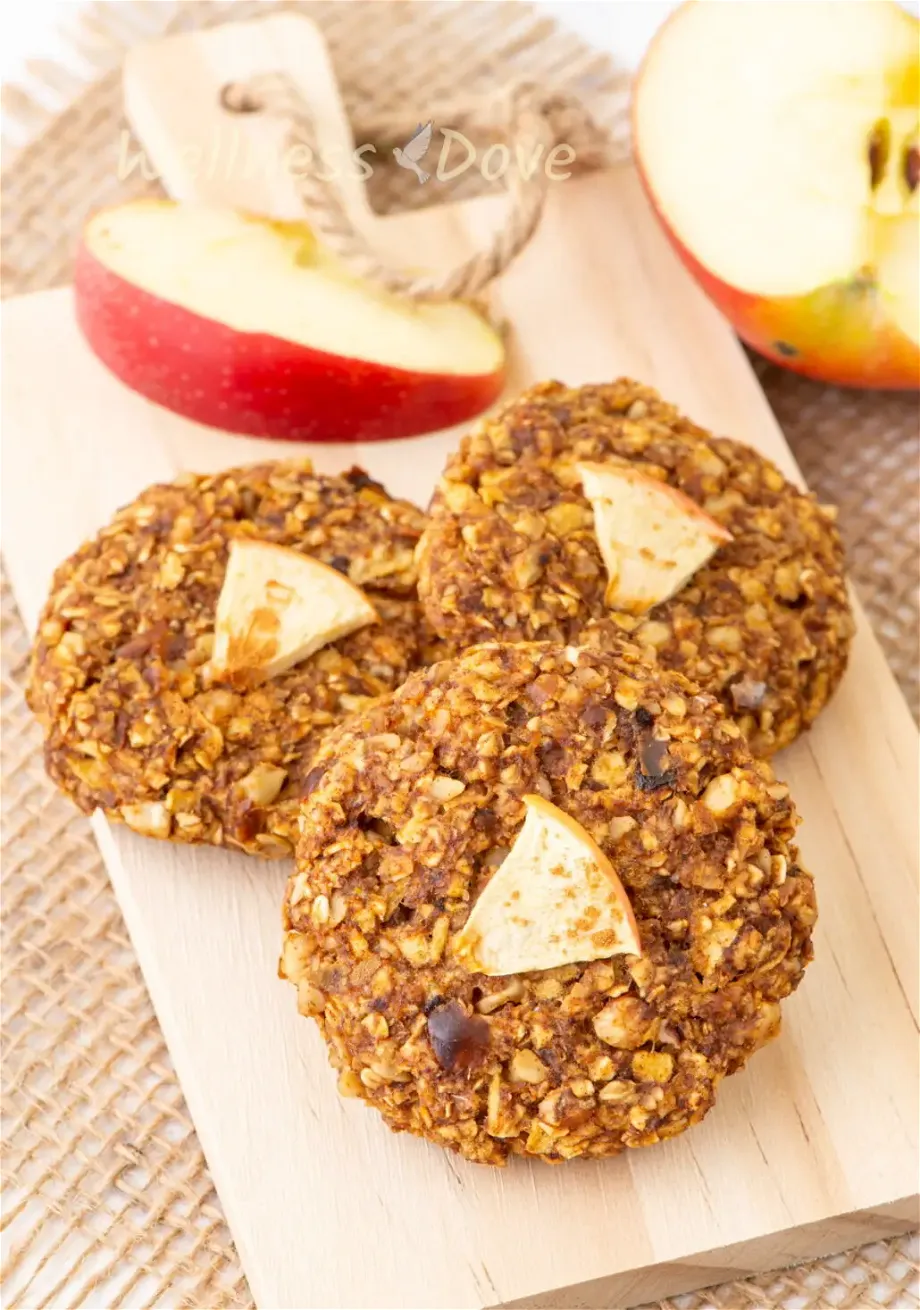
[526, 1067]
[615, 1091]
[495, 1000]
[263, 783]
[443, 788]
[152, 819]
[609, 768]
[652, 1066]
[721, 794]
[654, 633]
[172, 572]
[747, 694]
[295, 957]
[376, 1025]
[621, 825]
[565, 518]
[416, 948]
[439, 934]
[320, 910]
[725, 637]
[625, 1022]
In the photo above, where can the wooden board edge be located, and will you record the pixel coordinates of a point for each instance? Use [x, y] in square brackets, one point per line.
[771, 1251]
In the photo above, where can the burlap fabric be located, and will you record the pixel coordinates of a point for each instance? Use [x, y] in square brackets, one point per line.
[107, 1197]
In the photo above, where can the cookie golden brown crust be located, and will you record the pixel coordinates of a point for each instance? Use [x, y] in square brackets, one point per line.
[412, 805]
[133, 722]
[510, 553]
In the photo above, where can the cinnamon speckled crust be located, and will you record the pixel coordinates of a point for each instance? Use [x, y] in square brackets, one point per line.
[510, 553]
[413, 803]
[119, 680]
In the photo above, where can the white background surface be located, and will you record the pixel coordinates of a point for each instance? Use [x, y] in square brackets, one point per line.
[621, 26]
[28, 31]
[624, 27]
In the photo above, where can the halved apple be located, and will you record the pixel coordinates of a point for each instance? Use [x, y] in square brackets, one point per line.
[276, 608]
[779, 145]
[248, 324]
[555, 899]
[652, 537]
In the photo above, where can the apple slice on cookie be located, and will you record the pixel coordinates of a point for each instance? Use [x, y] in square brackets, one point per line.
[554, 900]
[276, 608]
[251, 325]
[651, 536]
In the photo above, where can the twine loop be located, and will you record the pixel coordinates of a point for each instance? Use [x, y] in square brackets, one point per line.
[531, 120]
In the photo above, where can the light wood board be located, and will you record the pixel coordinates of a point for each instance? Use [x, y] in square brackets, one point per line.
[811, 1149]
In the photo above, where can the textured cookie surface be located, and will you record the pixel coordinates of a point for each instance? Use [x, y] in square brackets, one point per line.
[135, 723]
[412, 807]
[511, 552]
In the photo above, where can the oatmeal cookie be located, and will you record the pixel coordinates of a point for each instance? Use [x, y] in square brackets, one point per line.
[413, 807]
[136, 725]
[511, 552]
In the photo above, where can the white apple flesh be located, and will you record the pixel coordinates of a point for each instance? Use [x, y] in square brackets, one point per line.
[248, 324]
[779, 146]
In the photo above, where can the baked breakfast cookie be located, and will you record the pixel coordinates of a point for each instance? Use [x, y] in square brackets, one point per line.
[545, 900]
[190, 656]
[554, 516]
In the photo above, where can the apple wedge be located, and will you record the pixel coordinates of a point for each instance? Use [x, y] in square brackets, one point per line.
[276, 608]
[554, 900]
[250, 325]
[779, 146]
[651, 536]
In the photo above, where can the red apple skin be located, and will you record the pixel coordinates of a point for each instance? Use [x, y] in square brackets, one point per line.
[836, 334]
[257, 384]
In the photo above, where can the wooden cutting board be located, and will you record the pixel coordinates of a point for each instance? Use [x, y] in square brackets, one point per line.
[812, 1148]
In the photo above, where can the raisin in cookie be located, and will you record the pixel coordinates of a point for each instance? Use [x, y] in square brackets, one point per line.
[545, 900]
[522, 534]
[139, 718]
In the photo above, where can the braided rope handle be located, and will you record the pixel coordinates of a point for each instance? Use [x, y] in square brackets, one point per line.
[530, 120]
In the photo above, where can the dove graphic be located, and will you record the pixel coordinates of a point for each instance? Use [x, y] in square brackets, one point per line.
[414, 150]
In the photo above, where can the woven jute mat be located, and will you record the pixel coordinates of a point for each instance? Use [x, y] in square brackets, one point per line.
[107, 1197]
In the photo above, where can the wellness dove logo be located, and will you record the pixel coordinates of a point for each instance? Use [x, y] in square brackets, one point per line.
[234, 158]
[526, 157]
[415, 150]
